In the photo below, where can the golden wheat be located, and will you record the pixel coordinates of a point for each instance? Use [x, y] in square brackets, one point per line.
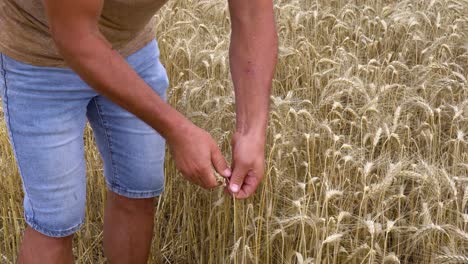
[367, 157]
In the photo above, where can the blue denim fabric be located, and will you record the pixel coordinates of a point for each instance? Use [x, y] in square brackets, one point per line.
[46, 110]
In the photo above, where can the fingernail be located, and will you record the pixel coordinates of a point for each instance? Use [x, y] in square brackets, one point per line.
[234, 188]
[227, 173]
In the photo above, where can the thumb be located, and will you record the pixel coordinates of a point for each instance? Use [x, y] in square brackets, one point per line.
[237, 179]
[219, 163]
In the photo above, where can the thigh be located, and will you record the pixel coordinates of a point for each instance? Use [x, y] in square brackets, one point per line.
[45, 112]
[133, 152]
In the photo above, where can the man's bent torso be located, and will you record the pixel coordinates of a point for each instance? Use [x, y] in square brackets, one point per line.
[127, 24]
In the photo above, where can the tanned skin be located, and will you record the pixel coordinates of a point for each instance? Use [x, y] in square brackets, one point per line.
[253, 52]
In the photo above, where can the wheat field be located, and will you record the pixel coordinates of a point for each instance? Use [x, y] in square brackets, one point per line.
[367, 157]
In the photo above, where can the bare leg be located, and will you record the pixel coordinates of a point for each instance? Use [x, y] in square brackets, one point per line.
[128, 229]
[38, 248]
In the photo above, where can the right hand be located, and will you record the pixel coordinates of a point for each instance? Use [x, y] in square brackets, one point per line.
[195, 153]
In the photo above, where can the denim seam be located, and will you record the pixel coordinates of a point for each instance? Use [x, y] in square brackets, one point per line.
[109, 143]
[53, 233]
[8, 122]
[2, 64]
[135, 194]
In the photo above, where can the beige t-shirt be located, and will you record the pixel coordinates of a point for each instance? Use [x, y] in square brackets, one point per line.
[24, 33]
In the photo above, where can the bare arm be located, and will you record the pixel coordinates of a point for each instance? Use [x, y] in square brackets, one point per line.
[74, 28]
[253, 55]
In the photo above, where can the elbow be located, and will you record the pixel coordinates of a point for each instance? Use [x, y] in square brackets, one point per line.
[275, 43]
[69, 41]
[254, 19]
[63, 38]
[63, 46]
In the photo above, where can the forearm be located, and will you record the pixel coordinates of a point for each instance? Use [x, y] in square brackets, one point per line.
[253, 54]
[110, 75]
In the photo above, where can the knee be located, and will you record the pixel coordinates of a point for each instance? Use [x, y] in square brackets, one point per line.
[130, 206]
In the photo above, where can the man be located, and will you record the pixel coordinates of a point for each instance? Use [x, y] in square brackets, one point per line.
[63, 61]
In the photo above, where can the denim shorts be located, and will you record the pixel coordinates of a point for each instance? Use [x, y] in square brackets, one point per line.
[46, 109]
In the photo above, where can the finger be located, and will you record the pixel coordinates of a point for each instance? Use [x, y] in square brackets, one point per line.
[233, 148]
[233, 163]
[219, 163]
[193, 179]
[208, 179]
[189, 177]
[237, 178]
[251, 183]
[226, 190]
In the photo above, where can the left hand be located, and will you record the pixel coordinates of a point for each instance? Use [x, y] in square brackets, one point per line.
[248, 164]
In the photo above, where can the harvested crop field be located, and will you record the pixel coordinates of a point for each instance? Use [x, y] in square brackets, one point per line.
[367, 157]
